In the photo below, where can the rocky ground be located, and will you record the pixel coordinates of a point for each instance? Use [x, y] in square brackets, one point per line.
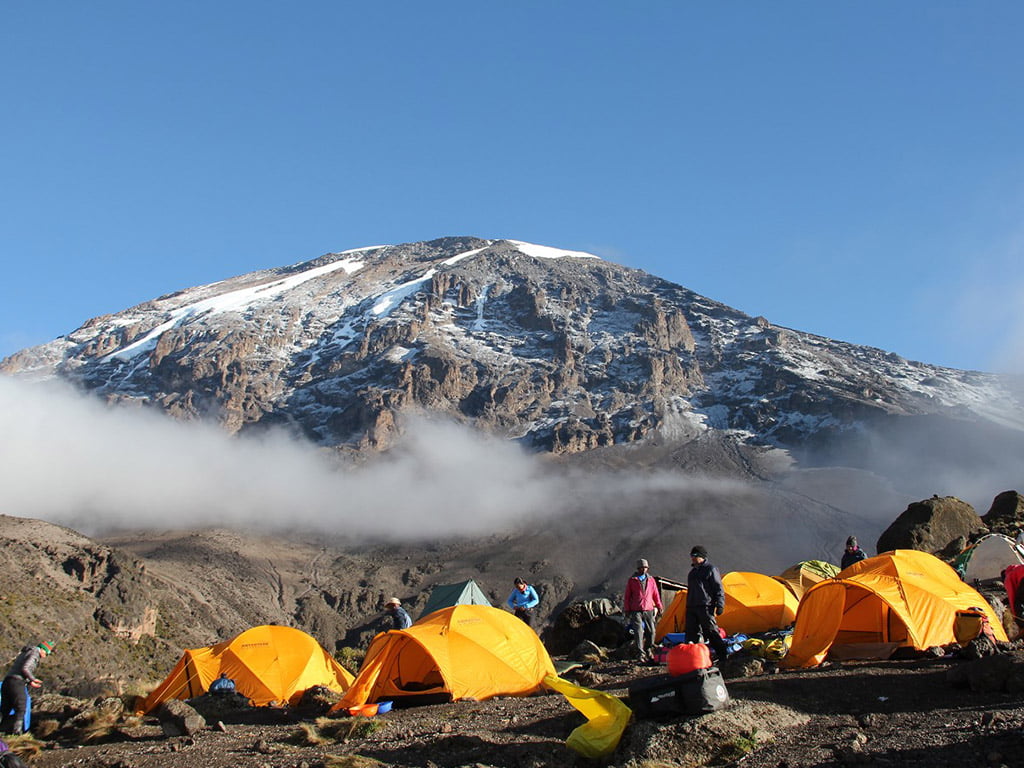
[884, 713]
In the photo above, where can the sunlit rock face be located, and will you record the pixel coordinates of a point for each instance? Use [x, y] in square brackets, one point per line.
[562, 351]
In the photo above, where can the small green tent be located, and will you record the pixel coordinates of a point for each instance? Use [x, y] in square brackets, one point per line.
[447, 595]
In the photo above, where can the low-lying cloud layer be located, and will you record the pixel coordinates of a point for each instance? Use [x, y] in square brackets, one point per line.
[70, 459]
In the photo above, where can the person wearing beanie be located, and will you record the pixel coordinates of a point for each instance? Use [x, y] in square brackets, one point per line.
[705, 599]
[399, 616]
[853, 554]
[14, 691]
[522, 600]
[641, 606]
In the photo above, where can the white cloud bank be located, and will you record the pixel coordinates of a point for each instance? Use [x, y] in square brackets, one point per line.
[72, 460]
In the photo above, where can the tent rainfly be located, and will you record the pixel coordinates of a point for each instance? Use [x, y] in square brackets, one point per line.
[268, 663]
[753, 603]
[898, 599]
[461, 652]
[805, 574]
[446, 595]
[987, 558]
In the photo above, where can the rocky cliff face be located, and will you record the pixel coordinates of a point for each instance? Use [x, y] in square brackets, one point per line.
[562, 351]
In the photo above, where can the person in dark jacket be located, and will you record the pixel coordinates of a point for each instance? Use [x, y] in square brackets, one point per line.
[705, 599]
[399, 616]
[853, 554]
[14, 691]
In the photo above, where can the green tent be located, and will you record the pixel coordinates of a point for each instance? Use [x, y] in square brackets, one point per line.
[463, 593]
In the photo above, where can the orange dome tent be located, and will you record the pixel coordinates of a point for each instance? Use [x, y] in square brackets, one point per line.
[461, 652]
[268, 663]
[753, 603]
[898, 599]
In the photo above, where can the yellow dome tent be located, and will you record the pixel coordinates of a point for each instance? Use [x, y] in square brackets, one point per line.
[753, 603]
[461, 652]
[805, 574]
[268, 663]
[898, 599]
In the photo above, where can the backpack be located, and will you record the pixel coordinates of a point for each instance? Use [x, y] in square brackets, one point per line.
[970, 624]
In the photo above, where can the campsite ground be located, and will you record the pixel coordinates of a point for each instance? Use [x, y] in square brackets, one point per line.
[889, 713]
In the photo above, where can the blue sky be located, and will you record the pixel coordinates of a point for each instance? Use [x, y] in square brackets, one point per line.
[852, 169]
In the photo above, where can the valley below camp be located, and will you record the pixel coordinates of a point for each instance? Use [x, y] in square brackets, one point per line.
[122, 606]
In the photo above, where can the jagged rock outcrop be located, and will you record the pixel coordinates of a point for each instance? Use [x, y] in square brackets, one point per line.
[1006, 515]
[930, 525]
[560, 350]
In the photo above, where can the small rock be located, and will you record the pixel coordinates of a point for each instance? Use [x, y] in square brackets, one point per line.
[221, 727]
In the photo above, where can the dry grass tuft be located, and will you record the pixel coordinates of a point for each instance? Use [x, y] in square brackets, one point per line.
[24, 745]
[347, 728]
[99, 726]
[351, 761]
[308, 736]
[44, 729]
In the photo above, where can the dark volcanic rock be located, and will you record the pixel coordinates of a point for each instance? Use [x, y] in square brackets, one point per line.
[179, 719]
[930, 525]
[1006, 515]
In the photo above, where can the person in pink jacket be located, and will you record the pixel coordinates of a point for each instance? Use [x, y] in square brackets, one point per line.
[642, 605]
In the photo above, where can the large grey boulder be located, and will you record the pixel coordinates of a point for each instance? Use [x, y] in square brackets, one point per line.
[179, 719]
[930, 525]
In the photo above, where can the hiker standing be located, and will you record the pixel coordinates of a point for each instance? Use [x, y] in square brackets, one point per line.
[705, 599]
[853, 554]
[523, 600]
[14, 691]
[642, 604]
[399, 616]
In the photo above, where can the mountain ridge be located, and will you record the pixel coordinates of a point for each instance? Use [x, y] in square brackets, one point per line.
[562, 351]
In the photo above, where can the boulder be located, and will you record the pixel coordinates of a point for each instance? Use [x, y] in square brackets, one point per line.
[597, 621]
[1006, 515]
[991, 674]
[179, 719]
[930, 525]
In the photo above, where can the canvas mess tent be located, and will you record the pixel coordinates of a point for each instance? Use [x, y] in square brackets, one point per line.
[446, 595]
[461, 652]
[753, 603]
[805, 574]
[988, 557]
[268, 663]
[898, 599]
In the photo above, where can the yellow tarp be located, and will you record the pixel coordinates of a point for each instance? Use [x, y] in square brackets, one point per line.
[607, 717]
[267, 663]
[465, 651]
[753, 603]
[902, 598]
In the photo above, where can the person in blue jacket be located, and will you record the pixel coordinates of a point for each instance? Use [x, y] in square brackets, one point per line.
[400, 618]
[223, 685]
[523, 600]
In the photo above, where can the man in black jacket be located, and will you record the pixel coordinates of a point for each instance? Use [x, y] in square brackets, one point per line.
[13, 692]
[705, 599]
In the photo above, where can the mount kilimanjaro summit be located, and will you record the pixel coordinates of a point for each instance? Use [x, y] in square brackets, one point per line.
[560, 350]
